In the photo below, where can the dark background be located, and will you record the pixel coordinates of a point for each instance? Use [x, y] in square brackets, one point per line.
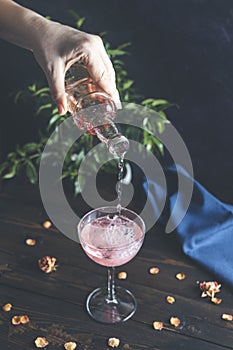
[182, 50]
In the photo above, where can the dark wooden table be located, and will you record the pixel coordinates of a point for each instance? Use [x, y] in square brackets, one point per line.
[55, 303]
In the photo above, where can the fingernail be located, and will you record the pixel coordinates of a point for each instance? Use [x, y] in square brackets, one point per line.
[61, 109]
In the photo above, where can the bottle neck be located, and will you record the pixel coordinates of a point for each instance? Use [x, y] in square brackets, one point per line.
[116, 143]
[107, 131]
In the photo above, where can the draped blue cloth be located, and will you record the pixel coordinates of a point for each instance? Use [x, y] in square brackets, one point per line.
[206, 231]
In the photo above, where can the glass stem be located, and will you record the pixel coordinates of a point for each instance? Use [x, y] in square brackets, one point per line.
[111, 284]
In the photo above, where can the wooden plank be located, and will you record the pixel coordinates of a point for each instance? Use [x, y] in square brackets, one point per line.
[23, 282]
[60, 322]
[72, 283]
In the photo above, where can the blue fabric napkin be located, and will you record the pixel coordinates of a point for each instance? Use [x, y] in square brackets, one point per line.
[206, 231]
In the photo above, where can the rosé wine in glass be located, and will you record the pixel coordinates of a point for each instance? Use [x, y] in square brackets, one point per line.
[111, 237]
[111, 241]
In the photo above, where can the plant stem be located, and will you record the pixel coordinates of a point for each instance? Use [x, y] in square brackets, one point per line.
[111, 284]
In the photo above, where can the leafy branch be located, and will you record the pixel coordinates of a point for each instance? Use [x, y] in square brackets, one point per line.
[25, 159]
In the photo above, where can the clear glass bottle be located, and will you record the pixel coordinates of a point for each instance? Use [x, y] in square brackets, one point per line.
[82, 92]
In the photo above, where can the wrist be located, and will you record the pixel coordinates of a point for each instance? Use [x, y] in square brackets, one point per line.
[19, 25]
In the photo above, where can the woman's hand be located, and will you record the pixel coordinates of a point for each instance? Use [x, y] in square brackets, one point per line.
[60, 46]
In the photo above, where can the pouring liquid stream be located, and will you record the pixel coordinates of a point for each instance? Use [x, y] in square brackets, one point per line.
[119, 183]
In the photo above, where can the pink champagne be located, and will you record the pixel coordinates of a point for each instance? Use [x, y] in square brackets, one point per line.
[111, 241]
[93, 110]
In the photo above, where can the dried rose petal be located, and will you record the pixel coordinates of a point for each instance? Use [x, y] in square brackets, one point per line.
[216, 301]
[47, 224]
[175, 321]
[41, 342]
[113, 342]
[30, 241]
[180, 276]
[170, 299]
[154, 270]
[227, 317]
[209, 288]
[7, 307]
[47, 264]
[15, 320]
[70, 345]
[122, 275]
[24, 319]
[158, 325]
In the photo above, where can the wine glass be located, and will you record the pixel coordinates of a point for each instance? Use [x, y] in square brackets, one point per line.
[111, 238]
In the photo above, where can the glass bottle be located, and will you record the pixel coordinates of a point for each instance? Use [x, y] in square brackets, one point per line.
[82, 92]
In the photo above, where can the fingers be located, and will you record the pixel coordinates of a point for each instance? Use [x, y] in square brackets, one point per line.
[105, 79]
[55, 76]
[101, 70]
[77, 46]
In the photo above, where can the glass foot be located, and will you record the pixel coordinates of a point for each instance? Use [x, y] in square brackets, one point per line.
[120, 309]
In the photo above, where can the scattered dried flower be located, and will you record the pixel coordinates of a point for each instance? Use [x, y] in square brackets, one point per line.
[24, 319]
[70, 345]
[41, 342]
[175, 321]
[47, 264]
[47, 224]
[209, 288]
[170, 299]
[227, 317]
[15, 320]
[113, 342]
[216, 301]
[30, 241]
[154, 270]
[122, 275]
[7, 307]
[158, 325]
[180, 276]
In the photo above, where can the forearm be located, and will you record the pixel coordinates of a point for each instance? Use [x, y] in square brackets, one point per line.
[54, 46]
[19, 25]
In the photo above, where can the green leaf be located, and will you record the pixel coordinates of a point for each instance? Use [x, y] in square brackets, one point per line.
[20, 151]
[159, 145]
[11, 156]
[79, 184]
[122, 46]
[74, 14]
[12, 171]
[158, 104]
[31, 172]
[118, 62]
[116, 52]
[42, 91]
[55, 118]
[80, 157]
[32, 88]
[80, 22]
[18, 96]
[162, 114]
[42, 107]
[154, 102]
[127, 84]
[31, 147]
[3, 166]
[161, 127]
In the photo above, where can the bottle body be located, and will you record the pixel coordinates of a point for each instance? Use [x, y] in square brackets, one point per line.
[93, 110]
